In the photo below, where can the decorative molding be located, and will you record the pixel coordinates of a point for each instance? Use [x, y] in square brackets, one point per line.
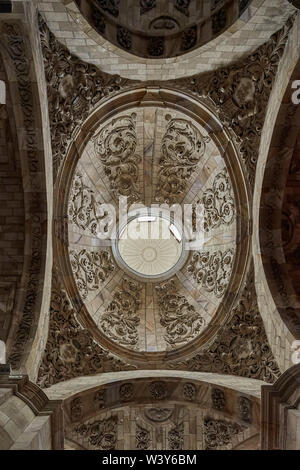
[14, 43]
[90, 269]
[240, 92]
[100, 434]
[74, 88]
[182, 148]
[212, 270]
[115, 145]
[241, 346]
[175, 437]
[177, 315]
[219, 433]
[70, 350]
[120, 320]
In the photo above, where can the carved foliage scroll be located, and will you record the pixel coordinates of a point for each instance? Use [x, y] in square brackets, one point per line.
[240, 92]
[241, 346]
[115, 144]
[120, 320]
[101, 434]
[180, 319]
[90, 268]
[74, 88]
[218, 202]
[70, 350]
[181, 150]
[212, 270]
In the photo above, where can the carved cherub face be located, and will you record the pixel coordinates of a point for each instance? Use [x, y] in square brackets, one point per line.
[244, 92]
[66, 86]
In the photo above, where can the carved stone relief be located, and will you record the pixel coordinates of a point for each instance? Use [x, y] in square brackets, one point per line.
[218, 399]
[76, 409]
[120, 320]
[100, 398]
[182, 6]
[212, 270]
[84, 211]
[189, 391]
[90, 268]
[115, 144]
[218, 202]
[126, 391]
[245, 407]
[74, 88]
[180, 319]
[70, 350]
[241, 346]
[175, 437]
[158, 390]
[181, 150]
[147, 5]
[142, 437]
[218, 433]
[158, 415]
[101, 434]
[240, 92]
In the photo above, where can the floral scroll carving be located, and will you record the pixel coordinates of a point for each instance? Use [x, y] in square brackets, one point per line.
[219, 433]
[84, 211]
[115, 144]
[177, 315]
[181, 150]
[90, 268]
[120, 320]
[241, 347]
[245, 408]
[142, 438]
[212, 270]
[101, 434]
[74, 88]
[70, 350]
[189, 391]
[158, 390]
[218, 202]
[175, 437]
[240, 92]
